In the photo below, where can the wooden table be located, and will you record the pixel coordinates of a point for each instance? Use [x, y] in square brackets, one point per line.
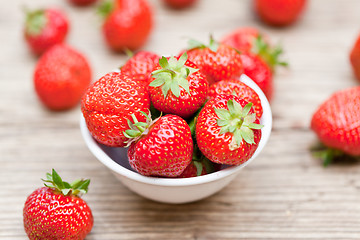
[284, 194]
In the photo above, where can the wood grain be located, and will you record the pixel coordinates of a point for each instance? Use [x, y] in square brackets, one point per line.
[284, 194]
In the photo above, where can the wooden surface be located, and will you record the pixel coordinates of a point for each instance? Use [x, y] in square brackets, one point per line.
[284, 194]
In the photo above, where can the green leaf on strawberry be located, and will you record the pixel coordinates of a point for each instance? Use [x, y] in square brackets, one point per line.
[172, 75]
[238, 121]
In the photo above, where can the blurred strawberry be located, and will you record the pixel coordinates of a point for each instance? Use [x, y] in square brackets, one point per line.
[61, 76]
[179, 4]
[279, 12]
[336, 123]
[82, 2]
[242, 38]
[128, 23]
[45, 28]
[355, 58]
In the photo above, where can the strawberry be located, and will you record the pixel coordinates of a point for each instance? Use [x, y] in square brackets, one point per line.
[336, 123]
[140, 66]
[162, 147]
[227, 130]
[279, 12]
[177, 86]
[61, 77]
[355, 58]
[239, 89]
[218, 61]
[56, 211]
[194, 169]
[45, 28]
[109, 103]
[179, 4]
[82, 2]
[260, 72]
[128, 23]
[242, 38]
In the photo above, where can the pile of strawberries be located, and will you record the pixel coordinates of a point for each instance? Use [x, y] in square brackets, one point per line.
[180, 116]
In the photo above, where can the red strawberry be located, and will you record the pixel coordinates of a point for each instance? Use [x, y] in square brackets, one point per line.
[336, 123]
[194, 169]
[140, 66]
[279, 12]
[355, 58]
[109, 103]
[57, 212]
[227, 130]
[82, 2]
[218, 61]
[260, 72]
[179, 4]
[177, 86]
[45, 28]
[239, 89]
[61, 77]
[128, 23]
[162, 148]
[241, 39]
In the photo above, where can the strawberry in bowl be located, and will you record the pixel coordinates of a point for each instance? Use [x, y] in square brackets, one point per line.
[156, 145]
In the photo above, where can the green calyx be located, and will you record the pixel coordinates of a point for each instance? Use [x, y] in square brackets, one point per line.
[331, 155]
[238, 121]
[213, 45]
[105, 8]
[137, 129]
[271, 55]
[172, 75]
[35, 21]
[78, 187]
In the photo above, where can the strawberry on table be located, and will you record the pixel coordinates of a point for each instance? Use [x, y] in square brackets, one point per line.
[128, 23]
[140, 66]
[56, 211]
[45, 28]
[279, 12]
[355, 58]
[109, 103]
[217, 61]
[82, 2]
[239, 89]
[227, 130]
[179, 4]
[336, 123]
[177, 86]
[61, 77]
[162, 147]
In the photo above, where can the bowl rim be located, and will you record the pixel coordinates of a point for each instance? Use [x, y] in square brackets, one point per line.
[266, 120]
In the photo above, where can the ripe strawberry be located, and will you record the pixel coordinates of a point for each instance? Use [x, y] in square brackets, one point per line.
[109, 103]
[336, 123]
[227, 130]
[239, 89]
[140, 66]
[56, 211]
[177, 86]
[217, 61]
[82, 2]
[179, 4]
[242, 38]
[160, 148]
[355, 58]
[279, 12]
[45, 28]
[194, 169]
[260, 72]
[128, 23]
[61, 77]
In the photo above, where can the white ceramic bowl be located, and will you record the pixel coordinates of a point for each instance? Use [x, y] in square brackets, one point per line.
[174, 190]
